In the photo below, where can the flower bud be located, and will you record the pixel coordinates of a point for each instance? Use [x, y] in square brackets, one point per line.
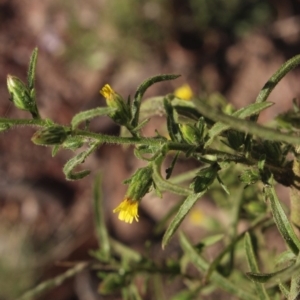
[205, 177]
[184, 92]
[250, 176]
[54, 135]
[139, 185]
[191, 134]
[235, 139]
[111, 283]
[273, 150]
[122, 115]
[20, 95]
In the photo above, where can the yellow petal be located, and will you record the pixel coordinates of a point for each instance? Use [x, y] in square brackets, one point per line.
[107, 92]
[184, 92]
[128, 210]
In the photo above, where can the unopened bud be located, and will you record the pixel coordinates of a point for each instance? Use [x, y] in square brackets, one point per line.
[191, 134]
[250, 176]
[19, 93]
[139, 183]
[21, 96]
[235, 139]
[205, 177]
[122, 115]
[54, 135]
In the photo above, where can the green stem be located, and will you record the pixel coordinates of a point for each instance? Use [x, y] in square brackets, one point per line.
[31, 122]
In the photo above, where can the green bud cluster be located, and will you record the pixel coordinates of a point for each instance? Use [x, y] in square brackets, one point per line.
[139, 183]
[193, 134]
[21, 96]
[273, 150]
[122, 115]
[49, 136]
[235, 139]
[250, 176]
[205, 177]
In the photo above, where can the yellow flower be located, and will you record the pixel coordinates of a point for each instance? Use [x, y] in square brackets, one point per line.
[107, 92]
[128, 210]
[184, 92]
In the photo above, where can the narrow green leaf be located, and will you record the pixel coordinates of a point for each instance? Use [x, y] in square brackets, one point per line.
[101, 229]
[284, 290]
[182, 212]
[55, 149]
[295, 283]
[242, 113]
[162, 224]
[244, 125]
[275, 276]
[135, 109]
[173, 127]
[90, 114]
[165, 185]
[274, 80]
[282, 222]
[75, 161]
[31, 69]
[220, 281]
[260, 289]
[170, 169]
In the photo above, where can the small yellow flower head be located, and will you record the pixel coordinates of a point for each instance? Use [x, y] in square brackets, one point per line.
[184, 92]
[122, 115]
[128, 210]
[107, 92]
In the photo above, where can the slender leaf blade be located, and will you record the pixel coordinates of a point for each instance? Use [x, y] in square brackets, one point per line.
[182, 212]
[90, 114]
[281, 220]
[260, 289]
[75, 161]
[31, 69]
[242, 113]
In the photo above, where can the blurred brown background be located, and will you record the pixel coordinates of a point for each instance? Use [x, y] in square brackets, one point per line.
[231, 47]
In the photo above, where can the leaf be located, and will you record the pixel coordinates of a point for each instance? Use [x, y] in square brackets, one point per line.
[170, 169]
[295, 283]
[31, 69]
[284, 290]
[282, 222]
[135, 108]
[89, 114]
[173, 127]
[182, 212]
[276, 276]
[248, 127]
[242, 113]
[260, 289]
[160, 184]
[75, 161]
